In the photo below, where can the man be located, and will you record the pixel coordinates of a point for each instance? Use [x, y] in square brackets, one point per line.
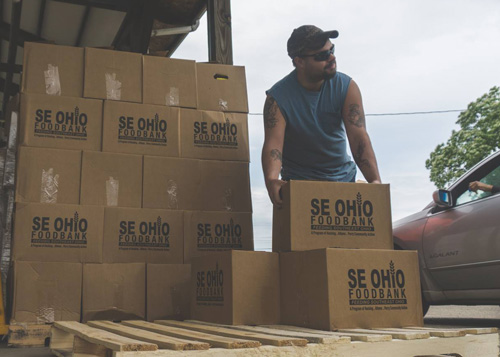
[307, 115]
[477, 185]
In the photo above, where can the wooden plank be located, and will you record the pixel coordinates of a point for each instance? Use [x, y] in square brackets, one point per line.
[213, 340]
[28, 335]
[352, 335]
[467, 330]
[83, 348]
[61, 340]
[222, 331]
[435, 332]
[447, 355]
[220, 46]
[469, 345]
[402, 335]
[313, 338]
[480, 330]
[171, 343]
[104, 338]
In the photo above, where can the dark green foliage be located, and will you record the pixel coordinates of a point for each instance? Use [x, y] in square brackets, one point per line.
[478, 137]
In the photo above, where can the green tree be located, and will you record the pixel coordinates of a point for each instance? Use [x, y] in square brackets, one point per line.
[478, 137]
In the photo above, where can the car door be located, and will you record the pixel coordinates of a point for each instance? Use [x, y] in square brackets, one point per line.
[461, 244]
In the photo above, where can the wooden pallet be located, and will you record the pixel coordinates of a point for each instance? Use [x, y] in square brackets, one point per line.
[192, 338]
[29, 335]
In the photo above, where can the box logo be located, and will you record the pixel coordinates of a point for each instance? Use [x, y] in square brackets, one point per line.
[145, 131]
[378, 289]
[59, 232]
[210, 287]
[61, 124]
[216, 135]
[343, 217]
[219, 236]
[145, 235]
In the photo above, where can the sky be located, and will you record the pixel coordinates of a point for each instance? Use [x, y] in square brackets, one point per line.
[406, 56]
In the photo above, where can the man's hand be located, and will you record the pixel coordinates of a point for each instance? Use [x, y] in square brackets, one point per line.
[273, 189]
[477, 185]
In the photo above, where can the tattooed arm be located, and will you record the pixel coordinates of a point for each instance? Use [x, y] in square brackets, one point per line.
[274, 128]
[359, 141]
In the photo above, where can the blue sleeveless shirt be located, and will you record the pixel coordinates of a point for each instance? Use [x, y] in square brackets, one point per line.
[315, 138]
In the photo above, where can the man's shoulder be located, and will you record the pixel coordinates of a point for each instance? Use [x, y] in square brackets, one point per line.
[285, 82]
[341, 77]
[339, 84]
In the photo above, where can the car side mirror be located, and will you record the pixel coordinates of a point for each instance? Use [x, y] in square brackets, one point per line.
[442, 198]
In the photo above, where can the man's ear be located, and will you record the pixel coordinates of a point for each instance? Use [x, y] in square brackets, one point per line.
[298, 62]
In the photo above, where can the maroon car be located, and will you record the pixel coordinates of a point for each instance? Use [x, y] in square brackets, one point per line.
[458, 240]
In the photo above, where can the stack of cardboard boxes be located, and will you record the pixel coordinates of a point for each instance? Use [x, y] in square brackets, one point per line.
[133, 170]
[129, 166]
[338, 268]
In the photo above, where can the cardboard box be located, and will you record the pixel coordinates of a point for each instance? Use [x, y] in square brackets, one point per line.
[45, 292]
[140, 129]
[110, 179]
[113, 75]
[236, 288]
[225, 186]
[171, 183]
[114, 292]
[143, 235]
[196, 185]
[214, 135]
[52, 70]
[329, 289]
[58, 233]
[221, 88]
[48, 175]
[60, 122]
[318, 215]
[169, 81]
[167, 294]
[211, 232]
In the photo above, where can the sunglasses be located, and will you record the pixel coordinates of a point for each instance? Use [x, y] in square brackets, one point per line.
[321, 56]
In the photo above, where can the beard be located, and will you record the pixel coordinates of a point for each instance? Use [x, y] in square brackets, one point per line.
[328, 72]
[329, 75]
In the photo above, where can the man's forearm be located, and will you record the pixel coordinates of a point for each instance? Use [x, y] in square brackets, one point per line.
[274, 127]
[271, 163]
[364, 156]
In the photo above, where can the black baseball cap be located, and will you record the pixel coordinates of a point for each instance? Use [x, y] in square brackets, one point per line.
[308, 37]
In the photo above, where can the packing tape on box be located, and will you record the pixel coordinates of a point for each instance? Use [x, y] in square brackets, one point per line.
[222, 104]
[113, 87]
[172, 200]
[45, 314]
[228, 199]
[52, 82]
[112, 189]
[49, 186]
[172, 97]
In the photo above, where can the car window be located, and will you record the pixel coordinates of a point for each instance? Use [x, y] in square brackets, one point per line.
[492, 178]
